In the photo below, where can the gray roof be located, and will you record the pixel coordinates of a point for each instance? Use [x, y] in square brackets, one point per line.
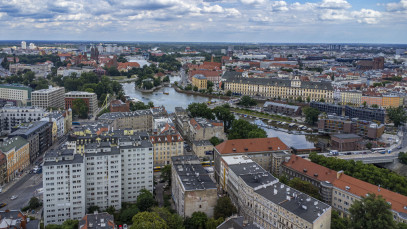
[268, 103]
[230, 74]
[33, 224]
[12, 142]
[116, 115]
[202, 143]
[237, 223]
[97, 220]
[280, 82]
[65, 156]
[27, 129]
[253, 174]
[346, 136]
[199, 76]
[294, 201]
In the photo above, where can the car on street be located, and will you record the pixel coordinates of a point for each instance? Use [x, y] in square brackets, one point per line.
[2, 205]
[124, 226]
[13, 197]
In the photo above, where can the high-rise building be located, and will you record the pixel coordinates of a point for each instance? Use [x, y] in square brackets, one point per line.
[53, 97]
[32, 46]
[16, 92]
[23, 45]
[14, 116]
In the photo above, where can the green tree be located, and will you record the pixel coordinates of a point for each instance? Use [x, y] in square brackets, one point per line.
[127, 212]
[224, 208]
[195, 88]
[229, 93]
[299, 99]
[93, 208]
[147, 85]
[148, 220]
[209, 84]
[223, 113]
[173, 220]
[371, 212]
[338, 222]
[397, 115]
[196, 221]
[369, 145]
[166, 79]
[134, 106]
[311, 115]
[308, 99]
[166, 173]
[200, 110]
[364, 104]
[305, 186]
[375, 106]
[213, 223]
[111, 210]
[403, 157]
[34, 203]
[215, 140]
[247, 101]
[145, 200]
[242, 129]
[188, 87]
[150, 104]
[80, 108]
[70, 224]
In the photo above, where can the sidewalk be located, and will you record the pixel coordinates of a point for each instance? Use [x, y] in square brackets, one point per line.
[7, 186]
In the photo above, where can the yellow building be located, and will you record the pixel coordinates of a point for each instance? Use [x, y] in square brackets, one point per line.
[351, 98]
[17, 152]
[280, 88]
[199, 81]
[392, 101]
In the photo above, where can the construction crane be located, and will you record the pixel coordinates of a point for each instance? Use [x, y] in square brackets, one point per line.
[105, 102]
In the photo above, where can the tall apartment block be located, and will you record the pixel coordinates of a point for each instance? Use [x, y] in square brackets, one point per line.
[52, 97]
[90, 99]
[64, 186]
[16, 92]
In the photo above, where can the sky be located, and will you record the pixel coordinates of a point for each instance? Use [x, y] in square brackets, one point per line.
[309, 21]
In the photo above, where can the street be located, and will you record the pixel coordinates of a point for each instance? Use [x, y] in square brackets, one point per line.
[25, 189]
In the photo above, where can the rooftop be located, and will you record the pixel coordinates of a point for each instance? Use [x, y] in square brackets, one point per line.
[116, 115]
[27, 129]
[268, 103]
[13, 142]
[97, 221]
[48, 90]
[237, 222]
[251, 145]
[78, 93]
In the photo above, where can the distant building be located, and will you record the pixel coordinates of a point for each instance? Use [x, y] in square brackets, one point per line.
[16, 92]
[204, 129]
[23, 45]
[17, 152]
[40, 69]
[282, 108]
[67, 71]
[327, 108]
[346, 142]
[53, 97]
[13, 116]
[119, 106]
[351, 97]
[200, 82]
[97, 220]
[90, 99]
[141, 120]
[368, 114]
[192, 188]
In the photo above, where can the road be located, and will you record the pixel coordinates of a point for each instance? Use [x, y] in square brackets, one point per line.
[25, 189]
[159, 194]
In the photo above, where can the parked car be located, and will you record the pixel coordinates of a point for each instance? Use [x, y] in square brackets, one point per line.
[124, 226]
[13, 197]
[2, 205]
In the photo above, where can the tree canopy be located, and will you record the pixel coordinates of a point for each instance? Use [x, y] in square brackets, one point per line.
[224, 208]
[311, 115]
[148, 220]
[200, 110]
[242, 129]
[196, 221]
[247, 101]
[145, 200]
[305, 186]
[80, 108]
[397, 115]
[223, 113]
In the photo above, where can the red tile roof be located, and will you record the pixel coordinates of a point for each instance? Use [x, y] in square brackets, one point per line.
[251, 145]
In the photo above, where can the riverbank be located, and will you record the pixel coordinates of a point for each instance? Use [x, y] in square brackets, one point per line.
[177, 89]
[149, 90]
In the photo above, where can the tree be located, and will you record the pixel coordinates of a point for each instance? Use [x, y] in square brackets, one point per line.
[70, 224]
[397, 115]
[308, 99]
[215, 140]
[224, 208]
[80, 108]
[299, 99]
[305, 186]
[173, 220]
[403, 157]
[145, 200]
[196, 221]
[150, 104]
[111, 210]
[195, 88]
[134, 106]
[166, 79]
[93, 208]
[242, 129]
[311, 115]
[213, 223]
[147, 85]
[223, 113]
[166, 173]
[364, 104]
[375, 106]
[34, 203]
[148, 220]
[338, 222]
[127, 212]
[247, 101]
[229, 93]
[209, 84]
[200, 110]
[371, 212]
[369, 145]
[322, 100]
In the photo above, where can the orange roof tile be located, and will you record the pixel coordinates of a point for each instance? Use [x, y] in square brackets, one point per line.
[252, 145]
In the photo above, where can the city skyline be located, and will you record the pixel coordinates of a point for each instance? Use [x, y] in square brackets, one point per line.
[252, 21]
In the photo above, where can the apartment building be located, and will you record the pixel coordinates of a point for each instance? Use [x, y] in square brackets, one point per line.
[340, 190]
[141, 120]
[368, 114]
[64, 186]
[199, 81]
[166, 144]
[259, 150]
[16, 92]
[280, 88]
[17, 152]
[3, 169]
[57, 119]
[264, 201]
[14, 116]
[103, 175]
[384, 101]
[203, 149]
[40, 69]
[192, 188]
[351, 97]
[53, 97]
[327, 108]
[282, 108]
[90, 99]
[335, 124]
[205, 129]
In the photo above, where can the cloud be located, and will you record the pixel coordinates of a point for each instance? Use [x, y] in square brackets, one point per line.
[397, 6]
[259, 18]
[213, 9]
[279, 6]
[367, 16]
[252, 2]
[335, 4]
[334, 15]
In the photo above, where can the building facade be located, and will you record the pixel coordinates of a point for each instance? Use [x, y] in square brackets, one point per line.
[16, 92]
[141, 120]
[90, 99]
[351, 97]
[17, 152]
[205, 129]
[282, 108]
[14, 116]
[200, 82]
[166, 145]
[327, 108]
[368, 114]
[53, 97]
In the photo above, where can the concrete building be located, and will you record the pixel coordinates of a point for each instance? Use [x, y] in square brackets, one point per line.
[16, 92]
[203, 149]
[280, 88]
[368, 114]
[57, 119]
[264, 201]
[257, 149]
[64, 186]
[17, 152]
[103, 175]
[23, 45]
[384, 101]
[351, 97]
[119, 106]
[192, 188]
[327, 108]
[40, 69]
[340, 190]
[52, 97]
[205, 129]
[335, 124]
[14, 116]
[141, 120]
[65, 71]
[282, 108]
[200, 82]
[346, 142]
[97, 220]
[90, 99]
[166, 144]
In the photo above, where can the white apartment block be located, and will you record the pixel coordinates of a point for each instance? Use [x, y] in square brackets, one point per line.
[103, 175]
[64, 186]
[90, 98]
[13, 116]
[137, 166]
[15, 92]
[52, 97]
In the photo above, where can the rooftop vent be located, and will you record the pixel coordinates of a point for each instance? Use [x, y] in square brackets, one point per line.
[234, 149]
[304, 207]
[305, 170]
[347, 187]
[246, 149]
[315, 174]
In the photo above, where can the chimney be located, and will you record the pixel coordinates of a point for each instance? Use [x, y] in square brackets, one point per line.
[338, 174]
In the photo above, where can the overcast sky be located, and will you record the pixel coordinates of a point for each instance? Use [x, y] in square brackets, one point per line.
[358, 21]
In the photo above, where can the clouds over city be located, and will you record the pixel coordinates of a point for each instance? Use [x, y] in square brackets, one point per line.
[203, 20]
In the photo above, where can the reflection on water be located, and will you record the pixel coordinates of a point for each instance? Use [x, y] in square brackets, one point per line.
[170, 101]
